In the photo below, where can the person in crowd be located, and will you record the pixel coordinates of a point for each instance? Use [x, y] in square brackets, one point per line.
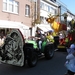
[71, 49]
[3, 39]
[2, 34]
[70, 63]
[50, 37]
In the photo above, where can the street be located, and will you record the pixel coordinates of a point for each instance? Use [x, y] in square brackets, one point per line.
[55, 66]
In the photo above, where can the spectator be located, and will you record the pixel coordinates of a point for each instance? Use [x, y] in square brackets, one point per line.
[3, 40]
[72, 48]
[70, 63]
[50, 37]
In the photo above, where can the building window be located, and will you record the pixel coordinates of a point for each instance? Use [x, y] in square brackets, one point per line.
[45, 7]
[48, 8]
[42, 19]
[42, 5]
[27, 10]
[53, 11]
[11, 6]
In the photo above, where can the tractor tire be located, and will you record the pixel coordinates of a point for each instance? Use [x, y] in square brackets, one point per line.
[32, 61]
[49, 51]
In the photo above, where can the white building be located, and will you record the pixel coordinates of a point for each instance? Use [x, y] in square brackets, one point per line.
[46, 7]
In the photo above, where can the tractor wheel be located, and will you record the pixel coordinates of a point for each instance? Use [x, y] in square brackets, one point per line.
[49, 51]
[32, 61]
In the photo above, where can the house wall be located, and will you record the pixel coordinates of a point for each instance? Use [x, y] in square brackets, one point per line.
[17, 17]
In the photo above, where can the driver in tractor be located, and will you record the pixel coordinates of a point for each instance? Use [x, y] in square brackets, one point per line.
[39, 38]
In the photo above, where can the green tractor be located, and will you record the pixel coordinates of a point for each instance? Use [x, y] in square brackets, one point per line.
[17, 51]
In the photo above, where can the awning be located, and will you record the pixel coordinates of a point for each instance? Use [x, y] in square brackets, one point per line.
[44, 27]
[11, 24]
[15, 25]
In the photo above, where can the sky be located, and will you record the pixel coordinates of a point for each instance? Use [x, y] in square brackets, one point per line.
[70, 4]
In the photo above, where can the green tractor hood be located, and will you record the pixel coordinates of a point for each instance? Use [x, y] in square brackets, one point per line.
[32, 42]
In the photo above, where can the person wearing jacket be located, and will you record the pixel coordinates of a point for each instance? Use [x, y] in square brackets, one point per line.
[70, 63]
[50, 37]
[71, 49]
[39, 38]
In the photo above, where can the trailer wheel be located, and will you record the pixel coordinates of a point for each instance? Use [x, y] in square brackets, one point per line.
[32, 61]
[49, 51]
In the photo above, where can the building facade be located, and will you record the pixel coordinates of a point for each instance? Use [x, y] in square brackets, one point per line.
[17, 11]
[28, 12]
[47, 7]
[66, 15]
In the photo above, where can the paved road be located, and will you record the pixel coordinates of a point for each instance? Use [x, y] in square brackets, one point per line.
[55, 66]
